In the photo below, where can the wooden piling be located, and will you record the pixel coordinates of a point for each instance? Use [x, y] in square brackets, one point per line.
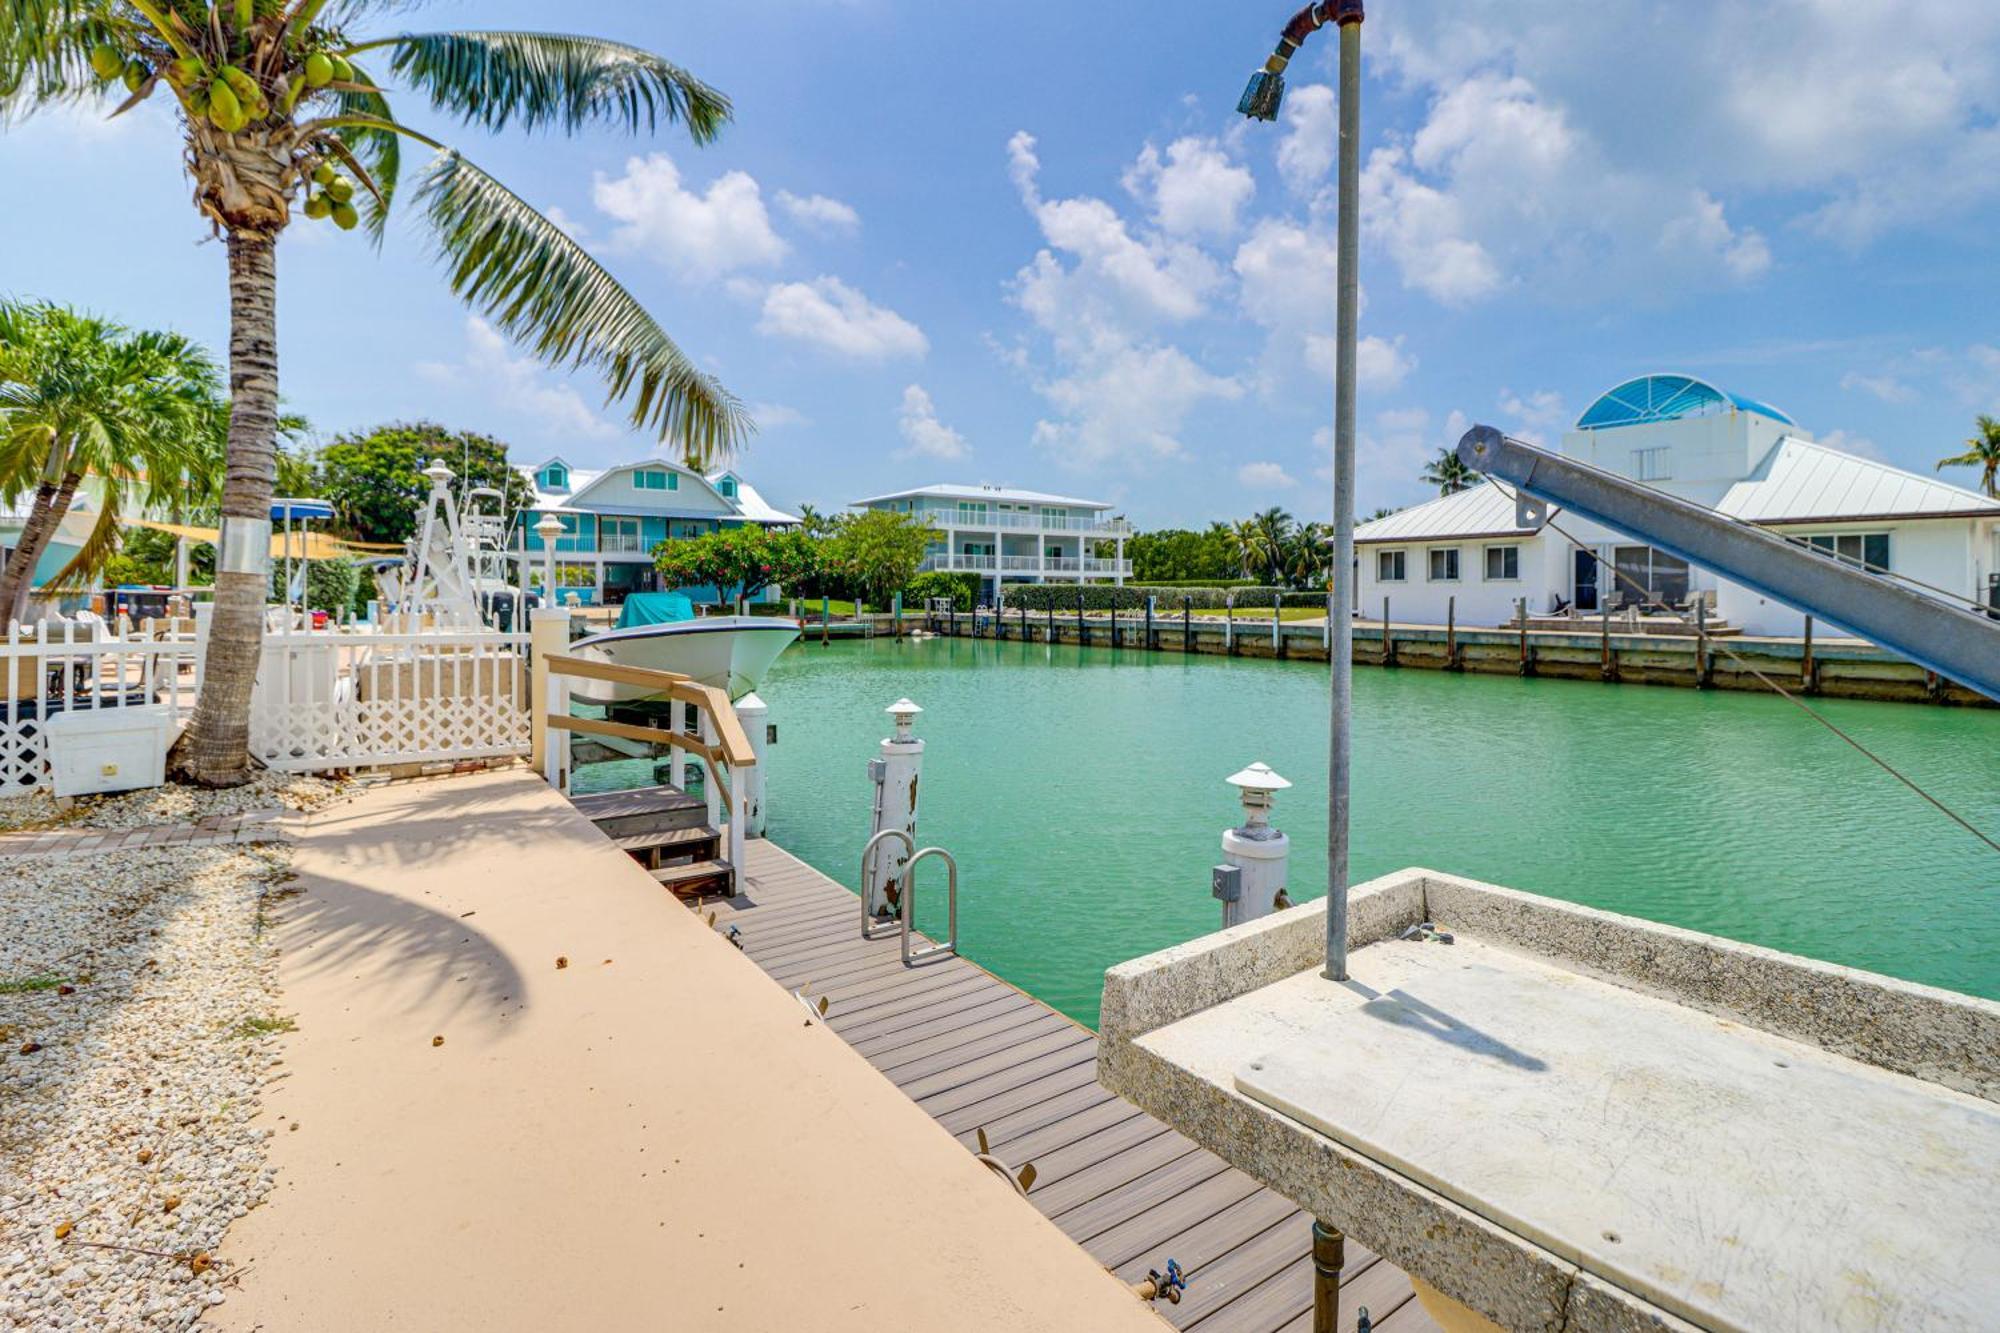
[1527, 663]
[1451, 662]
[1808, 677]
[1187, 626]
[1388, 640]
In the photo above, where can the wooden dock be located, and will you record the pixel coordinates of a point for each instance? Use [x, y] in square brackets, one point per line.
[977, 1053]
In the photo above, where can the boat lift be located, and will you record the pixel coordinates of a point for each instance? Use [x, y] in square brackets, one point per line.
[1955, 642]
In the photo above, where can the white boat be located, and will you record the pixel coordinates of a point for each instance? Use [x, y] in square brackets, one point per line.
[659, 631]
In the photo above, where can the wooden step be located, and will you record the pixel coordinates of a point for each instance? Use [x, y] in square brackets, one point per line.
[656, 848]
[641, 810]
[698, 878]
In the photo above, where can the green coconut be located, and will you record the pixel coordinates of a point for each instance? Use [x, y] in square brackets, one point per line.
[106, 62]
[340, 189]
[318, 205]
[187, 70]
[136, 74]
[342, 71]
[224, 111]
[319, 70]
[324, 174]
[345, 216]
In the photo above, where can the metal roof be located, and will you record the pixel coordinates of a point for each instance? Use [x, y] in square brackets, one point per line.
[1481, 511]
[1668, 398]
[750, 502]
[1799, 481]
[954, 491]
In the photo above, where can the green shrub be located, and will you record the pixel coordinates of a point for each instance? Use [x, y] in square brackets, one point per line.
[331, 585]
[962, 588]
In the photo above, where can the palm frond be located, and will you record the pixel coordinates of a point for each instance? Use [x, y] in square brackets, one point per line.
[96, 551]
[45, 53]
[543, 288]
[380, 151]
[490, 79]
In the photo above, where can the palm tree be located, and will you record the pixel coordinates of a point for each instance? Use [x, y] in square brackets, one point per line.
[1307, 556]
[1242, 541]
[278, 115]
[1448, 473]
[1983, 452]
[1274, 536]
[81, 397]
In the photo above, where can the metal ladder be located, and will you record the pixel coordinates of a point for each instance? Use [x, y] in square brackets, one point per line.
[906, 915]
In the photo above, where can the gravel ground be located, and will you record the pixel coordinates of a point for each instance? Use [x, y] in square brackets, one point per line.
[138, 998]
[166, 805]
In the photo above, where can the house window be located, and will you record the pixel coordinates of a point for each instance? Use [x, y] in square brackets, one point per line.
[1503, 564]
[969, 512]
[728, 488]
[1389, 566]
[655, 479]
[1868, 549]
[1651, 464]
[1054, 518]
[1444, 564]
[554, 477]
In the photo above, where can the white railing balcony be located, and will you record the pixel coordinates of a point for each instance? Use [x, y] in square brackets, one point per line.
[963, 561]
[621, 543]
[1031, 563]
[1062, 564]
[1107, 567]
[991, 521]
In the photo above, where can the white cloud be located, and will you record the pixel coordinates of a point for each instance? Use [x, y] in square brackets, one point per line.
[1534, 416]
[1264, 477]
[1312, 131]
[817, 212]
[517, 382]
[1380, 364]
[828, 313]
[1287, 276]
[1390, 453]
[925, 435]
[777, 416]
[1194, 190]
[1424, 229]
[1886, 387]
[1853, 444]
[1126, 406]
[568, 225]
[701, 235]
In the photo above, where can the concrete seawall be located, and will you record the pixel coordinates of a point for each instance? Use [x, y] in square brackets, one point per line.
[1834, 668]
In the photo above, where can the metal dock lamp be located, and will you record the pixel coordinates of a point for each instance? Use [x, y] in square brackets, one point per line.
[1260, 102]
[550, 530]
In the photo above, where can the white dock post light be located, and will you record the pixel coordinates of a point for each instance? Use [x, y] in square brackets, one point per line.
[1256, 857]
[895, 773]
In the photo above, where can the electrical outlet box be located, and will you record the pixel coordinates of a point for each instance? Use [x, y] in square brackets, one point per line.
[1226, 883]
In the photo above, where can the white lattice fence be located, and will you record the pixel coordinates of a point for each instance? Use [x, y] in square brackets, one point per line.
[53, 667]
[340, 699]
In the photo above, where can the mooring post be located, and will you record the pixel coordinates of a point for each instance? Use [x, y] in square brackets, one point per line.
[1606, 667]
[1151, 642]
[896, 613]
[1451, 633]
[825, 619]
[1527, 664]
[755, 715]
[951, 620]
[1050, 630]
[1082, 630]
[1700, 642]
[1256, 858]
[894, 772]
[1187, 625]
[1806, 675]
[548, 636]
[1277, 619]
[1388, 639]
[1329, 1257]
[1229, 623]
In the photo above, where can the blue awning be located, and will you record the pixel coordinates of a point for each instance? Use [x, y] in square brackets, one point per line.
[286, 507]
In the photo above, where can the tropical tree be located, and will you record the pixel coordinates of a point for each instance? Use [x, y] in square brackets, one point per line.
[1448, 473]
[1982, 451]
[83, 397]
[880, 551]
[280, 112]
[375, 480]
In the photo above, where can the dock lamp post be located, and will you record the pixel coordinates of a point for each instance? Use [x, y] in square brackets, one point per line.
[1260, 102]
[550, 530]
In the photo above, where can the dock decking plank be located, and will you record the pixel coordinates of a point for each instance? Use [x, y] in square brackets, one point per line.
[977, 1052]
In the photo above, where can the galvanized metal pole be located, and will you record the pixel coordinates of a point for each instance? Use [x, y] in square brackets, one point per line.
[1346, 310]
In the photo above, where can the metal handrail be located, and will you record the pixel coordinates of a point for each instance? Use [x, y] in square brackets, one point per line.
[950, 946]
[909, 855]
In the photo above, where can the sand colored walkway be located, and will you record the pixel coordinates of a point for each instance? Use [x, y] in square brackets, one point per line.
[648, 1138]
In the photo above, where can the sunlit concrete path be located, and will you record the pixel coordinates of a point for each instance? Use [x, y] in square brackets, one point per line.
[649, 1136]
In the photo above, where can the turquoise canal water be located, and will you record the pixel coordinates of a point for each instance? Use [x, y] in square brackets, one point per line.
[1082, 792]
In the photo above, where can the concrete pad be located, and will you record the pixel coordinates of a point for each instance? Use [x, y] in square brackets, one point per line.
[1685, 1158]
[649, 1137]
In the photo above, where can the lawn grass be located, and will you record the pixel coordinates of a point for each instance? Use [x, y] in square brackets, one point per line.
[24, 985]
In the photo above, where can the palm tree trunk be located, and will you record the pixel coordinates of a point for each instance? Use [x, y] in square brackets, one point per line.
[52, 501]
[215, 749]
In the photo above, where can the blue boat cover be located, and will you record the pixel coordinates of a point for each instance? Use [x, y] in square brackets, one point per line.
[654, 608]
[284, 507]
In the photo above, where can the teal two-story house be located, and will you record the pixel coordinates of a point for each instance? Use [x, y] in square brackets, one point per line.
[614, 517]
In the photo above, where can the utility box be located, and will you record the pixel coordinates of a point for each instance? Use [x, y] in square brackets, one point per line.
[109, 749]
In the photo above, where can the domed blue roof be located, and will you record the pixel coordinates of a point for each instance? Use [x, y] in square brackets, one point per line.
[1667, 398]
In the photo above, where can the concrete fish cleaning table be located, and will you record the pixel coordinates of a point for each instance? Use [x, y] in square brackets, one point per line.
[1553, 1117]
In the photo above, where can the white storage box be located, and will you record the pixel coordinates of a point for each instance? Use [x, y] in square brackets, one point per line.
[109, 749]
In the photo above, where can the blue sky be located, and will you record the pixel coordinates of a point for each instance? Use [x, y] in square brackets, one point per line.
[1033, 244]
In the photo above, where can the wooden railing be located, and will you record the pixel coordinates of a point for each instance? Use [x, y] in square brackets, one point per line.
[722, 745]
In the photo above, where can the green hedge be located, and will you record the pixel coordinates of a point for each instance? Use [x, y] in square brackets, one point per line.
[1248, 599]
[1195, 583]
[962, 588]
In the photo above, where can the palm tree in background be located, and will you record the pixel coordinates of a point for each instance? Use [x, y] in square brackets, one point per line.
[81, 398]
[1448, 473]
[279, 116]
[1273, 529]
[1982, 451]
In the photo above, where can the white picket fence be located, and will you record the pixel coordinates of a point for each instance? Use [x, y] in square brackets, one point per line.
[326, 699]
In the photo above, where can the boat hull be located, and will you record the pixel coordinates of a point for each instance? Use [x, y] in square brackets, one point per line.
[731, 653]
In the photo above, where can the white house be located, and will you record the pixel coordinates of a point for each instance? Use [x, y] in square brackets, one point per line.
[1012, 536]
[614, 517]
[1688, 438]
